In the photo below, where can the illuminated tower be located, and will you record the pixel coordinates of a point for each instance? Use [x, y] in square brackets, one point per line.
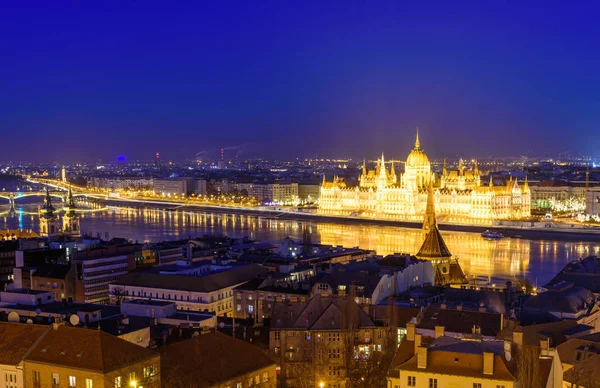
[48, 221]
[70, 220]
[63, 174]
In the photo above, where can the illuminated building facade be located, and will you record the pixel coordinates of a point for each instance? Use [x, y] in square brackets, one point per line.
[460, 196]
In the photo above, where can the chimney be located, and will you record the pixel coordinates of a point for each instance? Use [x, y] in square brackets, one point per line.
[439, 331]
[421, 357]
[418, 341]
[518, 337]
[410, 331]
[488, 363]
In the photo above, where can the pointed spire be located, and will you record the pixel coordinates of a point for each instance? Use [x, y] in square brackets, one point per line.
[417, 142]
[444, 170]
[70, 202]
[364, 167]
[392, 170]
[491, 181]
[476, 168]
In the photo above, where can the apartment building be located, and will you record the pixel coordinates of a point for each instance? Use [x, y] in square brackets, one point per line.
[217, 361]
[315, 341]
[95, 269]
[74, 357]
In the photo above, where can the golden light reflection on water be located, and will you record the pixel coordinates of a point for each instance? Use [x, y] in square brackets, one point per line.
[538, 260]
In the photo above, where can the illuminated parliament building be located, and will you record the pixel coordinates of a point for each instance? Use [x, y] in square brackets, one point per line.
[460, 196]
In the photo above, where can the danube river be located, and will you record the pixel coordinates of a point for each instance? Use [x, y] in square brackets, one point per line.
[538, 260]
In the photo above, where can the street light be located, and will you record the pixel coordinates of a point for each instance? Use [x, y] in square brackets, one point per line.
[133, 383]
[321, 384]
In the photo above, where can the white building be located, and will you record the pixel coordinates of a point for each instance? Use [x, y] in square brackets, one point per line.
[202, 292]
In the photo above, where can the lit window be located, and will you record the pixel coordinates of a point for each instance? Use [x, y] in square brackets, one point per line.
[55, 379]
[250, 309]
[88, 383]
[72, 382]
[118, 382]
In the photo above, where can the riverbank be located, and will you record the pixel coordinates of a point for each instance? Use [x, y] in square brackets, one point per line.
[514, 231]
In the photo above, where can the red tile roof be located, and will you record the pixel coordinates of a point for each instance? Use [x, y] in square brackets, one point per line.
[88, 349]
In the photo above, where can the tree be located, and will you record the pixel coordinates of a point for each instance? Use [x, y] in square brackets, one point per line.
[528, 366]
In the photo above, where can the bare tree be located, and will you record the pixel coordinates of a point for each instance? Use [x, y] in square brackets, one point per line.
[528, 366]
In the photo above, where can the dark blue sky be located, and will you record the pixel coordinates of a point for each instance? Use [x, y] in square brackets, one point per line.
[297, 78]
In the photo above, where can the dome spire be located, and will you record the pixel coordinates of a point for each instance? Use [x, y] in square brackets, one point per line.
[417, 142]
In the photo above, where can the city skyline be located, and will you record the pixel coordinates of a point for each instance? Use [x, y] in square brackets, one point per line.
[306, 81]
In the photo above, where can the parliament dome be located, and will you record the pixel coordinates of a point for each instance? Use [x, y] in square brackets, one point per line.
[417, 157]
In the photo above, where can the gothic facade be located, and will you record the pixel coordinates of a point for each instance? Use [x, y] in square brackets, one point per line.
[460, 196]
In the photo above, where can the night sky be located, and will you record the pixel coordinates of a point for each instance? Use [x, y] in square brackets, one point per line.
[287, 79]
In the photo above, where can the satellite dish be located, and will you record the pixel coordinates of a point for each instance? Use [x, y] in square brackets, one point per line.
[29, 321]
[508, 356]
[38, 311]
[221, 325]
[507, 346]
[74, 319]
[13, 316]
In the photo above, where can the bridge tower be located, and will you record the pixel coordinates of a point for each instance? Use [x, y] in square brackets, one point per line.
[70, 220]
[11, 200]
[49, 226]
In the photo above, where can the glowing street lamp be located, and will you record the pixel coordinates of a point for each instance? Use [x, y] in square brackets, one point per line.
[321, 384]
[133, 383]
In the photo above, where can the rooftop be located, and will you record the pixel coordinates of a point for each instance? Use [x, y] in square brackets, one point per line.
[87, 349]
[213, 358]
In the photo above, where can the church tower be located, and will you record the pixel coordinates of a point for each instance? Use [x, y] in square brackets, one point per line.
[70, 220]
[48, 221]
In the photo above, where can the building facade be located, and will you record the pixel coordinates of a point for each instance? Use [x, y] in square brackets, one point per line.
[460, 196]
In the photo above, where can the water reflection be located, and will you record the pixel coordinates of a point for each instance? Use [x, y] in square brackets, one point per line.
[537, 260]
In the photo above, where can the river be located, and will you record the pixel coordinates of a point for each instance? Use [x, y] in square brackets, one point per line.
[538, 260]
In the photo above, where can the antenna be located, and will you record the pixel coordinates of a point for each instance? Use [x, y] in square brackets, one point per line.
[74, 320]
[13, 316]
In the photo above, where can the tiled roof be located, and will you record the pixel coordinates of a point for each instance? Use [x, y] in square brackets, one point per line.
[52, 271]
[585, 373]
[434, 245]
[211, 358]
[320, 313]
[87, 349]
[16, 339]
[206, 283]
[461, 321]
[568, 350]
[461, 358]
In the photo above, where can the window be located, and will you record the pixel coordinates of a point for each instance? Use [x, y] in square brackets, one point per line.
[36, 378]
[432, 383]
[250, 309]
[55, 379]
[89, 383]
[476, 385]
[401, 335]
[72, 382]
[11, 380]
[499, 386]
[131, 376]
[118, 382]
[238, 307]
[412, 381]
[277, 336]
[238, 385]
[265, 377]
